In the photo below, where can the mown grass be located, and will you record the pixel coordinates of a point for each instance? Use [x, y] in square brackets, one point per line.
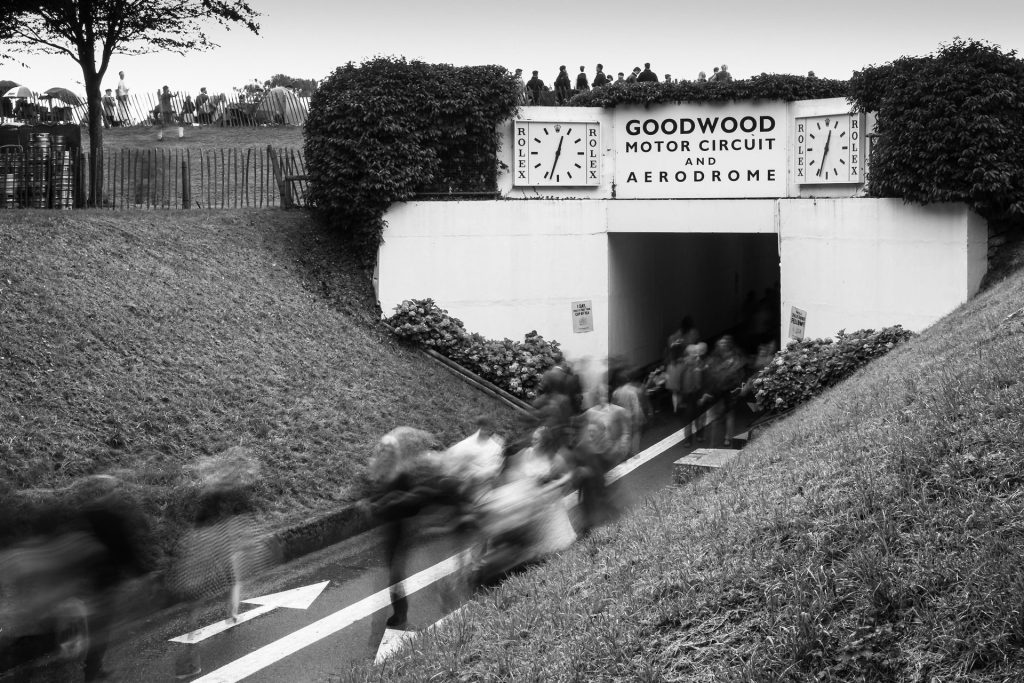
[875, 534]
[135, 343]
[199, 137]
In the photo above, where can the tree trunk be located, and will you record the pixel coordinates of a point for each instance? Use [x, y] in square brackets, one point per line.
[94, 97]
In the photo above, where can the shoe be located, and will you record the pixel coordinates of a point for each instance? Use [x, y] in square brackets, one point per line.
[397, 622]
[188, 672]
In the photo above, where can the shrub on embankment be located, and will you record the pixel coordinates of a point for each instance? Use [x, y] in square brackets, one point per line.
[874, 534]
[137, 342]
[806, 368]
[516, 367]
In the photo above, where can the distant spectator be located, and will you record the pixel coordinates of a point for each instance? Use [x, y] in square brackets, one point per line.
[109, 107]
[582, 83]
[599, 78]
[204, 108]
[702, 77]
[668, 78]
[647, 76]
[621, 78]
[632, 78]
[714, 75]
[122, 98]
[724, 75]
[562, 85]
[535, 86]
[524, 94]
[188, 111]
[810, 74]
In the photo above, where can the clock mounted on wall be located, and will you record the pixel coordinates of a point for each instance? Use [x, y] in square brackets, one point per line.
[829, 149]
[556, 154]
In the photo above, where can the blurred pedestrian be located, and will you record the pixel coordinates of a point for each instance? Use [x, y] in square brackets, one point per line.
[603, 443]
[726, 372]
[632, 78]
[222, 550]
[405, 476]
[628, 394]
[523, 518]
[692, 385]
[599, 77]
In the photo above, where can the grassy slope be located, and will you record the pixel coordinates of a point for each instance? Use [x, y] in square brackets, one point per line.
[137, 341]
[200, 137]
[873, 535]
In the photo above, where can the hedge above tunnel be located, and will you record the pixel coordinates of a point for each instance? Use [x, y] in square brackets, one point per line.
[381, 131]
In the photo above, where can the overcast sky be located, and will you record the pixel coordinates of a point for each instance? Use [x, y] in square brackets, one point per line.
[309, 38]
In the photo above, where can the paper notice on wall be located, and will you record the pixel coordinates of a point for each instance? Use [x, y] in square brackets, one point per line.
[582, 316]
[797, 323]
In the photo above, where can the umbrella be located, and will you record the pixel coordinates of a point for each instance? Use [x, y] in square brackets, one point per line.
[63, 94]
[20, 91]
[6, 85]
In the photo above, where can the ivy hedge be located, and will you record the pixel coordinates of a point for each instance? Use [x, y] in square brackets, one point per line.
[950, 127]
[514, 366]
[806, 368]
[380, 131]
[782, 87]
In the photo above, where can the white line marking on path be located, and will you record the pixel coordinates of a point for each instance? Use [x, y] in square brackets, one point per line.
[393, 638]
[294, 598]
[332, 623]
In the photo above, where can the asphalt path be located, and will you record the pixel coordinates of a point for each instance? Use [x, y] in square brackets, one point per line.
[347, 592]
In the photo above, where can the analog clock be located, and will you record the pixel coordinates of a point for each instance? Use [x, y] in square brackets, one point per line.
[562, 154]
[828, 149]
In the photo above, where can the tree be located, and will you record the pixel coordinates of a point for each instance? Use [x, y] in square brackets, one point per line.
[950, 127]
[91, 31]
[303, 87]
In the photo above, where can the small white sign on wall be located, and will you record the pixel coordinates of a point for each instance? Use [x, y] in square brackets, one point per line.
[582, 316]
[797, 323]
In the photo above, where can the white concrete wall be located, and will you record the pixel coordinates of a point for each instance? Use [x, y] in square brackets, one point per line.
[508, 267]
[504, 268]
[870, 263]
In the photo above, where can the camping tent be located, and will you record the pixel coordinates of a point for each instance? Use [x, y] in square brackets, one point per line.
[284, 106]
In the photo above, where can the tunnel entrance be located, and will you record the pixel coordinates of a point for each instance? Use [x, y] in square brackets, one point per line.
[726, 283]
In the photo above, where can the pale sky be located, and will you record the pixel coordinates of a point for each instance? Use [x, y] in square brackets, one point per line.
[309, 38]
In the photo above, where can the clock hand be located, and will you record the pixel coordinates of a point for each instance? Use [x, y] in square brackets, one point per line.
[824, 154]
[558, 153]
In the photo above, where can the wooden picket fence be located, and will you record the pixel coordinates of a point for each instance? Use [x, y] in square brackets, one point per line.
[234, 178]
[179, 178]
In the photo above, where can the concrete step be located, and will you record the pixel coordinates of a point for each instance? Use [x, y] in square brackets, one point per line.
[700, 462]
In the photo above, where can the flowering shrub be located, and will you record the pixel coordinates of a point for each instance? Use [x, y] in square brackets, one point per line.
[514, 366]
[806, 368]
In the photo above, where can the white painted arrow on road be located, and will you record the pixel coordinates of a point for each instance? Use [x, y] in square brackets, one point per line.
[295, 598]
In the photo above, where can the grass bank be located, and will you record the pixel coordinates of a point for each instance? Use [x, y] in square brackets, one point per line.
[199, 137]
[875, 534]
[135, 343]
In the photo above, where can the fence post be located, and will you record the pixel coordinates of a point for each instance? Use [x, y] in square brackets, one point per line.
[282, 184]
[186, 188]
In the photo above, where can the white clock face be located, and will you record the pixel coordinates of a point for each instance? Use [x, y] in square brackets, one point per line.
[828, 149]
[563, 154]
